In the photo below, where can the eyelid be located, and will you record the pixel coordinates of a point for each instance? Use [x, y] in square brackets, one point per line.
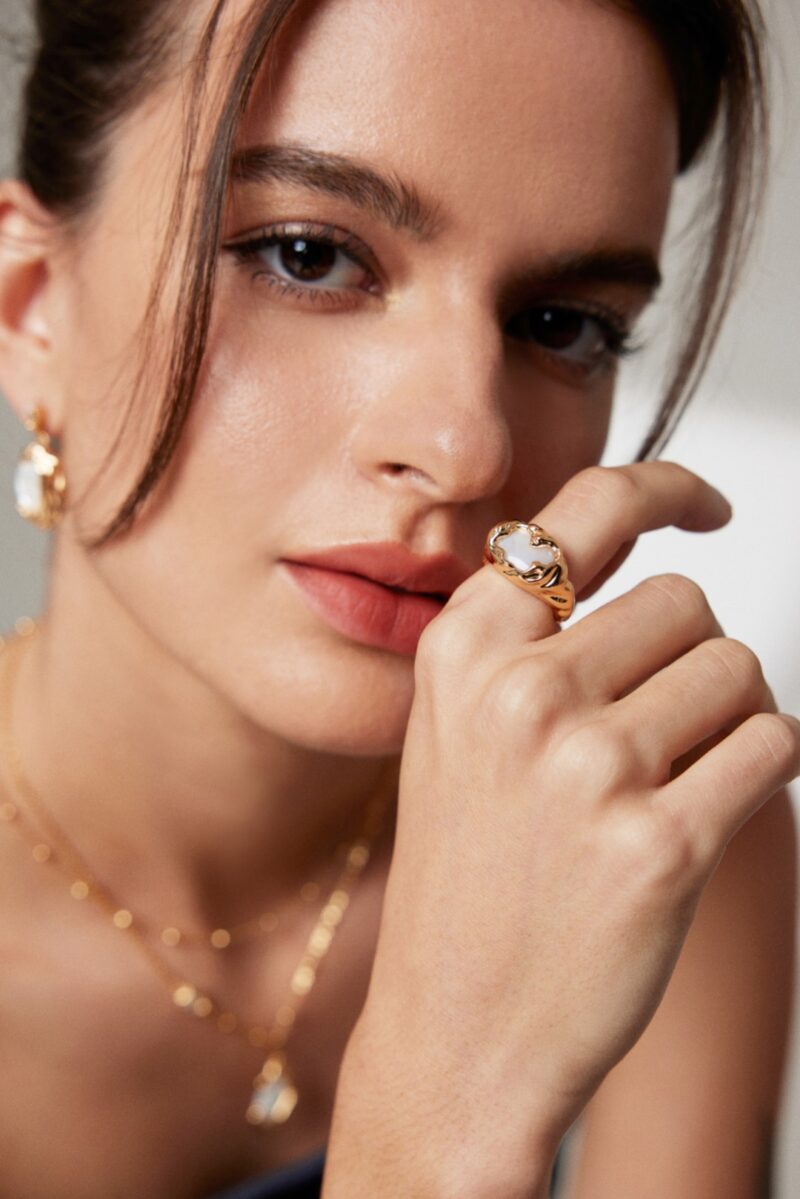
[617, 325]
[609, 314]
[317, 231]
[617, 328]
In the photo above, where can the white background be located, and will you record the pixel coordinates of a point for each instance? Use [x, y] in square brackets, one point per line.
[742, 432]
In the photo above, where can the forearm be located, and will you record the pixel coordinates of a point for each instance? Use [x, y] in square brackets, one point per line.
[690, 1111]
[399, 1138]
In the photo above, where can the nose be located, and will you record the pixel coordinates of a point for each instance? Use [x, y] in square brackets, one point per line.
[434, 420]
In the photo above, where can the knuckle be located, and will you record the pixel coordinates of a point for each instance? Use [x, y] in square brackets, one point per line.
[680, 474]
[682, 593]
[777, 740]
[652, 848]
[528, 691]
[673, 857]
[445, 642]
[615, 487]
[740, 664]
[601, 753]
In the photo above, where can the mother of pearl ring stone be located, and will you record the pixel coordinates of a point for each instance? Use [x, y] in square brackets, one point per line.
[531, 559]
[525, 547]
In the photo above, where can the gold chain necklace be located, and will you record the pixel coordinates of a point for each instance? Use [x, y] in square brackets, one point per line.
[275, 1094]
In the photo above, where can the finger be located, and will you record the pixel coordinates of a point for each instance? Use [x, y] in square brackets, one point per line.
[593, 515]
[608, 571]
[603, 509]
[620, 645]
[684, 761]
[728, 785]
[713, 685]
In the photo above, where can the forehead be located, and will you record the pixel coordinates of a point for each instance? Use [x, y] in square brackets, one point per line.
[554, 113]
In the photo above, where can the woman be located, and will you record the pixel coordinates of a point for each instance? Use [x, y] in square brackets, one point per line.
[286, 283]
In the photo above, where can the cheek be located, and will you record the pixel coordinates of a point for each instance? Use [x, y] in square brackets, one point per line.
[271, 408]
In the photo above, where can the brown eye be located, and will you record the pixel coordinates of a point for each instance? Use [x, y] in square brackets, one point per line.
[314, 263]
[307, 260]
[584, 339]
[299, 257]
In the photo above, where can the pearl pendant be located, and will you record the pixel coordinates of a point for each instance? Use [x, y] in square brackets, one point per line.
[274, 1096]
[39, 486]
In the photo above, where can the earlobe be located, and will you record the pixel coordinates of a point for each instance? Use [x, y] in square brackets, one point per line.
[26, 245]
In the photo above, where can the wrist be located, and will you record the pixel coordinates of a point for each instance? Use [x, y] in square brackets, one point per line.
[404, 1126]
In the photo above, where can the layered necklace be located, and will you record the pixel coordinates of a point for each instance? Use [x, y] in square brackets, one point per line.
[275, 1093]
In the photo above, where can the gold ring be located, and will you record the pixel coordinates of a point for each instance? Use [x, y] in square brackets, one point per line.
[530, 558]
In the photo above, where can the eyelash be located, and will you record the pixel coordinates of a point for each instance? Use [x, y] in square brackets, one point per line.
[246, 253]
[613, 324]
[614, 327]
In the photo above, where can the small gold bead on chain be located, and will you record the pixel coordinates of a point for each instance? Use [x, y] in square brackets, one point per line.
[303, 980]
[273, 1068]
[171, 937]
[79, 889]
[220, 938]
[123, 918]
[358, 855]
[42, 853]
[184, 995]
[320, 940]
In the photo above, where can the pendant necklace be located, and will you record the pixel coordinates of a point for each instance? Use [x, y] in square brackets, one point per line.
[275, 1094]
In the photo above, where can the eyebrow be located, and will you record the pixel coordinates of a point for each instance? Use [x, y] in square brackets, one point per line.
[387, 196]
[401, 205]
[636, 268]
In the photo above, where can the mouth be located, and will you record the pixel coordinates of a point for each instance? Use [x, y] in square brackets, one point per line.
[441, 596]
[365, 610]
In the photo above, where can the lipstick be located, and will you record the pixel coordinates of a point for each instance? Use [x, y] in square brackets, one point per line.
[377, 593]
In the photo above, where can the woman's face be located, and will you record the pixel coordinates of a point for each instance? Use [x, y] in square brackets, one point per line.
[447, 367]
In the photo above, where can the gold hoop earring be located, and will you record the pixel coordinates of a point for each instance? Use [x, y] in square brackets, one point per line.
[39, 482]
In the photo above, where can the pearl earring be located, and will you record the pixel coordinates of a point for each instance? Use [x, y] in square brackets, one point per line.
[39, 482]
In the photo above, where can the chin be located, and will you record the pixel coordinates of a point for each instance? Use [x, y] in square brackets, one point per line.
[333, 697]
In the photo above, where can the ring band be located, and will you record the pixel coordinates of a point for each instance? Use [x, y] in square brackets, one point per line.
[530, 558]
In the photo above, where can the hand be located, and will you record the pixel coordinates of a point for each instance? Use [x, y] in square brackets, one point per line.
[547, 865]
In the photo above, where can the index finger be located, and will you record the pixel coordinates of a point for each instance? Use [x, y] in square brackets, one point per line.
[592, 517]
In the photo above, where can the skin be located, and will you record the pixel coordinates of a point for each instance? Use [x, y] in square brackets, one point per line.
[187, 637]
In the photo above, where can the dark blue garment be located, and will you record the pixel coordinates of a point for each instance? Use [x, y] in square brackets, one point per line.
[299, 1180]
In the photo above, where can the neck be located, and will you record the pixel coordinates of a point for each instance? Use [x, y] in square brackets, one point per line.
[174, 799]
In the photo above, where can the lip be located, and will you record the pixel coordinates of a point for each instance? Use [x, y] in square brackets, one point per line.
[377, 593]
[391, 563]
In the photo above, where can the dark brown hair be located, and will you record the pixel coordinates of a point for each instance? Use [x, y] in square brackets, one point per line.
[96, 59]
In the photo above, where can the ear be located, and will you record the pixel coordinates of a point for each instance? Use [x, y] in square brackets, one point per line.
[27, 246]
